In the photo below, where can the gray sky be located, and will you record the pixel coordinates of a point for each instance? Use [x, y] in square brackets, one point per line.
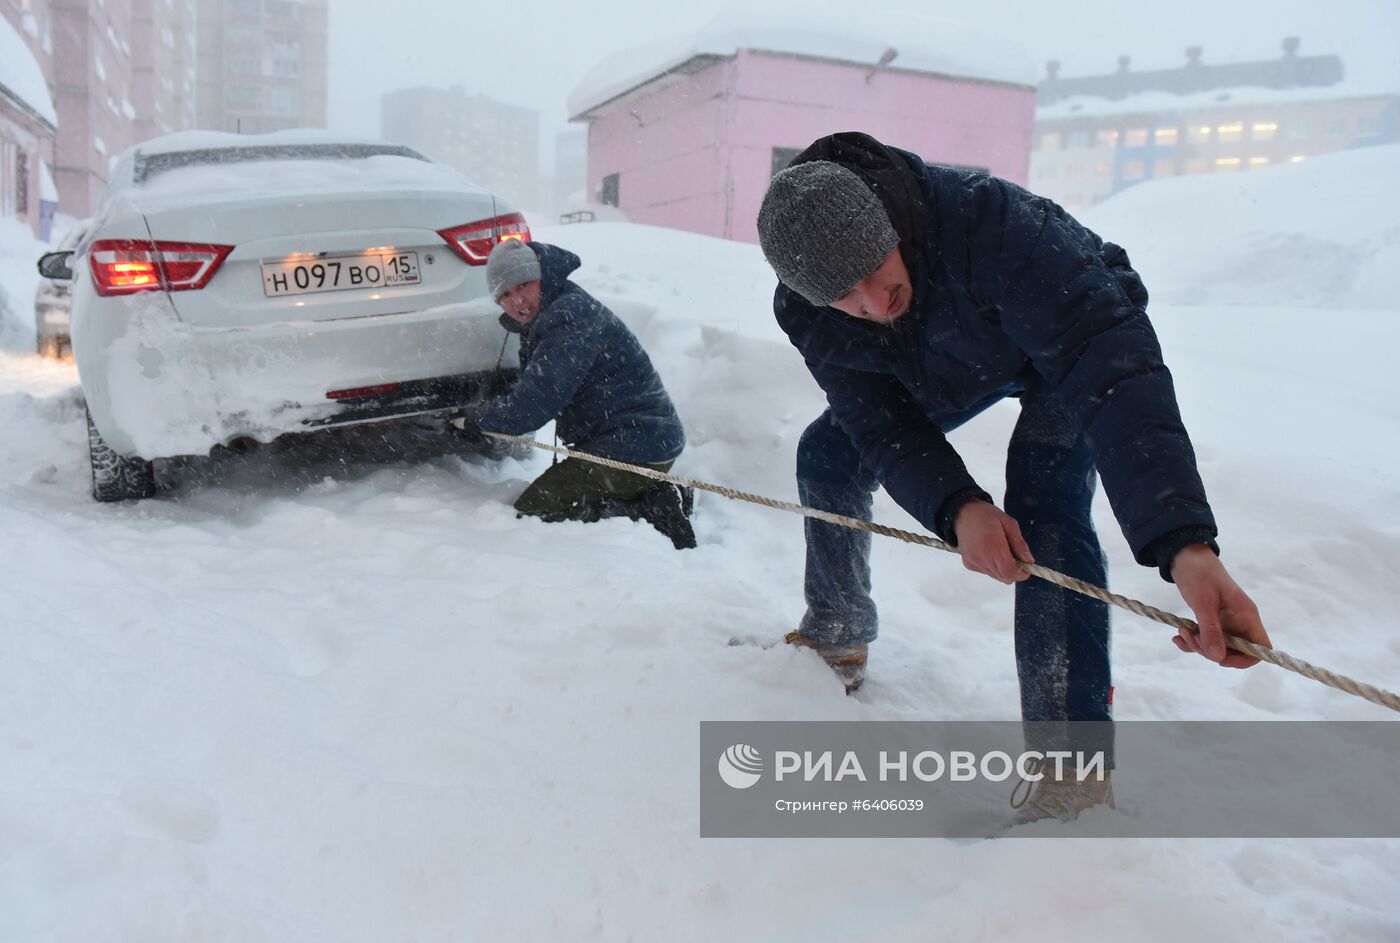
[534, 53]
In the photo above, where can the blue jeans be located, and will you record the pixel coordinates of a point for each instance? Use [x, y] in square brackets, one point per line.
[1061, 636]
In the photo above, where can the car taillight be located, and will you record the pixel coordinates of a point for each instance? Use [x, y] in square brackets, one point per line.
[474, 241]
[124, 266]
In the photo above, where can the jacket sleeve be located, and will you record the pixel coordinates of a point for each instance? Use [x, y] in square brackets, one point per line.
[568, 342]
[1076, 311]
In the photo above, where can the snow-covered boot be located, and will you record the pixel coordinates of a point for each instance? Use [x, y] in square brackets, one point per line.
[848, 661]
[664, 507]
[1062, 799]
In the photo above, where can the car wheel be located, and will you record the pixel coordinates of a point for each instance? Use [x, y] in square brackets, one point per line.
[117, 477]
[49, 346]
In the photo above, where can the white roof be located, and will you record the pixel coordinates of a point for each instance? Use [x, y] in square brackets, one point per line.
[923, 44]
[21, 76]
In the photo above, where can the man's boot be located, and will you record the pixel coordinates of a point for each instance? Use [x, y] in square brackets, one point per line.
[664, 506]
[1062, 799]
[848, 661]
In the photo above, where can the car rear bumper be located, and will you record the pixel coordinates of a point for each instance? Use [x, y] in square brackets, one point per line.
[162, 388]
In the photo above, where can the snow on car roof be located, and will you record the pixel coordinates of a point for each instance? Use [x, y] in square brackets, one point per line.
[214, 165]
[923, 44]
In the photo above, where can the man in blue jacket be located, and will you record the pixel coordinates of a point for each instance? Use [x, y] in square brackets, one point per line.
[918, 296]
[584, 369]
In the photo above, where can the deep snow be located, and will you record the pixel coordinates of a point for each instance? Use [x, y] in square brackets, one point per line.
[339, 700]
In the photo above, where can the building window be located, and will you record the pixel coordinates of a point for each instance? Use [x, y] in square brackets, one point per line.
[1230, 132]
[1258, 161]
[1134, 169]
[1368, 125]
[1074, 170]
[1077, 139]
[1163, 167]
[1334, 126]
[22, 183]
[1227, 163]
[1199, 133]
[611, 184]
[1297, 130]
[1263, 130]
[782, 156]
[1050, 141]
[1165, 137]
[1107, 137]
[1297, 159]
[1196, 165]
[1135, 137]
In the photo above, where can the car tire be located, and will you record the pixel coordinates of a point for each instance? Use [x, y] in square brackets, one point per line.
[117, 477]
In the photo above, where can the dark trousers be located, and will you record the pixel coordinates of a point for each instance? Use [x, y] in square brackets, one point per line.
[1062, 638]
[576, 490]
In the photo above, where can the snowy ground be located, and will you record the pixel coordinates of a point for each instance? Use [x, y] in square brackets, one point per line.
[349, 701]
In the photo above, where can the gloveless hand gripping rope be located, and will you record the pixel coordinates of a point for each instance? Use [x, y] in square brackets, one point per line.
[1271, 655]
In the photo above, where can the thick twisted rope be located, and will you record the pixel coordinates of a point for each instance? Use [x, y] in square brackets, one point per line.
[1273, 656]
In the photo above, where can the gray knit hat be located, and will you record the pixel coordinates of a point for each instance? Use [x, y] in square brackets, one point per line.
[823, 230]
[510, 264]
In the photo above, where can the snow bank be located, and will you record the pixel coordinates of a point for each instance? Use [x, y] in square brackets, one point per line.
[19, 254]
[1323, 233]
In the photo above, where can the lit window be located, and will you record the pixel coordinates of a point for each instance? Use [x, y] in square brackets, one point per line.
[1264, 130]
[1258, 161]
[1296, 159]
[1227, 163]
[1230, 132]
[1106, 138]
[1135, 137]
[1134, 169]
[1200, 132]
[1165, 137]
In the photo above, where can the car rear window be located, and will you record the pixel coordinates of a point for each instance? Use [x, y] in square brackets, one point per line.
[150, 165]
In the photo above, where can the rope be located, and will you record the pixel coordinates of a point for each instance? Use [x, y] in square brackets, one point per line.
[1273, 656]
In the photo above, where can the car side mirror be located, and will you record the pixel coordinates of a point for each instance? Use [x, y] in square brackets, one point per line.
[55, 265]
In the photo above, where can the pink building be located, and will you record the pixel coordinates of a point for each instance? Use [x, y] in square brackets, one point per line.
[120, 72]
[28, 121]
[688, 137]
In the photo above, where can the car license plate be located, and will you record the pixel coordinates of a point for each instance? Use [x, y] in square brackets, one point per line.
[302, 275]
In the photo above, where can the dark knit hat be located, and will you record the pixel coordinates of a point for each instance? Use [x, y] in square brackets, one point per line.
[823, 230]
[511, 263]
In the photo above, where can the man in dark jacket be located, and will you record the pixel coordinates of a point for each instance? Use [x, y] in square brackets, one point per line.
[918, 296]
[584, 369]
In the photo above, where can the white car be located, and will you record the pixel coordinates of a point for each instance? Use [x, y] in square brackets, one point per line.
[52, 297]
[236, 287]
